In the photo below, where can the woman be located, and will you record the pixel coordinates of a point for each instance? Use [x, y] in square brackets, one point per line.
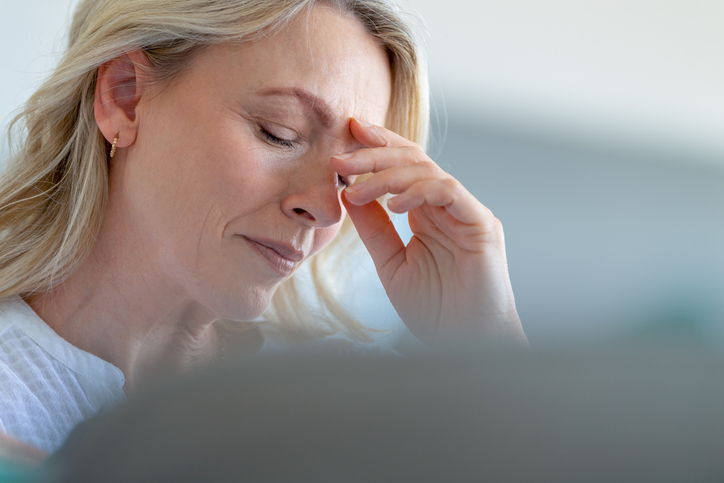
[182, 162]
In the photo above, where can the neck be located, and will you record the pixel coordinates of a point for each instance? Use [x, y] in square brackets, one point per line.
[138, 327]
[121, 306]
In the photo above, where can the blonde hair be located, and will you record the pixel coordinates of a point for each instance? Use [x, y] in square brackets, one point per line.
[54, 189]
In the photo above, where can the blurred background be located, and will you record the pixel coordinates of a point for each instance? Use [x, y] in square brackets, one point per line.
[592, 129]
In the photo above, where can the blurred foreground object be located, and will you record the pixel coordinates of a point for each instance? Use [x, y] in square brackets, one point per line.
[18, 461]
[617, 416]
[19, 452]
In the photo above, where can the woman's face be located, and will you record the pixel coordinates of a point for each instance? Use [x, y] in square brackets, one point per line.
[230, 176]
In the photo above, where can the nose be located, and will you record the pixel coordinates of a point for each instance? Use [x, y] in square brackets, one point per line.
[313, 197]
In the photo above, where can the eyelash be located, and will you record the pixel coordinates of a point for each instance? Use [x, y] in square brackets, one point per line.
[286, 143]
[290, 144]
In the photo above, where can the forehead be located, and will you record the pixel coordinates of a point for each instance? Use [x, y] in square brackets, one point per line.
[321, 52]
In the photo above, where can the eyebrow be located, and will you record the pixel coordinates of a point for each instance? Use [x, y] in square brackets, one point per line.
[321, 109]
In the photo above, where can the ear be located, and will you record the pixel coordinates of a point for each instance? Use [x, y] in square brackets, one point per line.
[119, 87]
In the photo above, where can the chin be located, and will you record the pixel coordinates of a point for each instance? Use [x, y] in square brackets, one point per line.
[243, 305]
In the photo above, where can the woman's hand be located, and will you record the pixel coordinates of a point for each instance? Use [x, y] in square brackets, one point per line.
[451, 280]
[12, 450]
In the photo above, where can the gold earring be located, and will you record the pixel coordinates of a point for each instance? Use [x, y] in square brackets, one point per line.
[113, 148]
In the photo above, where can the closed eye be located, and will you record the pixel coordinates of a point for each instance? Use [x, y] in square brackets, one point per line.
[287, 143]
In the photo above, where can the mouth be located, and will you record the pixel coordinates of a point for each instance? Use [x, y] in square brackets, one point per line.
[281, 257]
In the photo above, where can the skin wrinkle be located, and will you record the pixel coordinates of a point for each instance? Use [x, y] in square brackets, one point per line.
[308, 38]
[324, 112]
[198, 248]
[311, 50]
[192, 175]
[305, 137]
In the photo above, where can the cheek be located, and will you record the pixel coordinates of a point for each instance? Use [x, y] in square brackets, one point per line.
[236, 174]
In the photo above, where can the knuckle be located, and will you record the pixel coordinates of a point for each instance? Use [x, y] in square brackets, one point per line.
[418, 149]
[365, 154]
[382, 136]
[496, 224]
[429, 168]
[411, 154]
[384, 179]
[452, 184]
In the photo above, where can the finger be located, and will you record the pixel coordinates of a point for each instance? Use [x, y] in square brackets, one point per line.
[393, 180]
[378, 234]
[376, 136]
[373, 160]
[448, 193]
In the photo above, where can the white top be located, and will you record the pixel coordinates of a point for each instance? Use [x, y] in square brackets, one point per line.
[47, 385]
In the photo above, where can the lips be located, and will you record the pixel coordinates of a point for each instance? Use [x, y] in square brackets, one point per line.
[280, 256]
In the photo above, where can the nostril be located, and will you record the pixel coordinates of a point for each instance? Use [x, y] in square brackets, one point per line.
[304, 213]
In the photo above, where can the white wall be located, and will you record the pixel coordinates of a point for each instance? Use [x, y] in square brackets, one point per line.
[641, 71]
[31, 35]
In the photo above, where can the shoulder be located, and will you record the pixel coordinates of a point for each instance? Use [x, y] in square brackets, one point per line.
[25, 402]
[23, 334]
[11, 312]
[47, 386]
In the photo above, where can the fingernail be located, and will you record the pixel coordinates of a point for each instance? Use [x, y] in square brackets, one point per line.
[355, 187]
[364, 123]
[343, 156]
